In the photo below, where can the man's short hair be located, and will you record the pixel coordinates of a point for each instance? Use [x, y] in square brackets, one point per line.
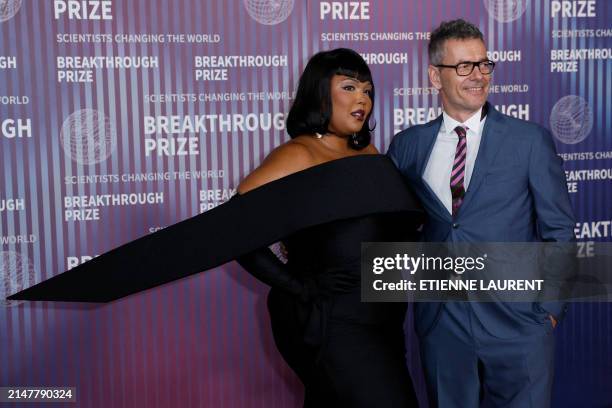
[456, 29]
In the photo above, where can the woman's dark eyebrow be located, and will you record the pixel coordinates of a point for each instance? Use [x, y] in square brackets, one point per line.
[353, 79]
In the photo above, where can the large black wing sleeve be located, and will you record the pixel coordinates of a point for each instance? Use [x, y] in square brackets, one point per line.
[339, 189]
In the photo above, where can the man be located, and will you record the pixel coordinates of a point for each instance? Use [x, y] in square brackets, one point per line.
[483, 177]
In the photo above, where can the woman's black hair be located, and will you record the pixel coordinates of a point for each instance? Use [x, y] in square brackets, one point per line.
[311, 110]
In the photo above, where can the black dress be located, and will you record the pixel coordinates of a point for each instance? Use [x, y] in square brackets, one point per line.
[347, 353]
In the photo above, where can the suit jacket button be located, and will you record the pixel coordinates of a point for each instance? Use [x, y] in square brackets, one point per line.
[455, 225]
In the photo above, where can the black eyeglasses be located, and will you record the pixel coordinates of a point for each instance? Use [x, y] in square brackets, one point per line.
[465, 68]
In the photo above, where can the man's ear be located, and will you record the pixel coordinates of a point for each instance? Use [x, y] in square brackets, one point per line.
[434, 77]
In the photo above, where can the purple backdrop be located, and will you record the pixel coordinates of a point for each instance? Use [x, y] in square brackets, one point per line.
[120, 117]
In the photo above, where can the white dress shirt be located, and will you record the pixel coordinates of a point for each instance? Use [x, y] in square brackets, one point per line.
[438, 170]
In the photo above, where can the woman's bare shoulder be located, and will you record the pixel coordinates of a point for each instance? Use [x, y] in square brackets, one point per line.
[286, 159]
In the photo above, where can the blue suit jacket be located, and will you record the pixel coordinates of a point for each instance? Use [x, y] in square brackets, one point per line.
[517, 193]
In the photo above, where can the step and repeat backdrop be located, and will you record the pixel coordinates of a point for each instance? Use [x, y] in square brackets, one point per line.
[121, 117]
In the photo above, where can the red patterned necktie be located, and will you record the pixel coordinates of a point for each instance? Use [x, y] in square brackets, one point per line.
[458, 172]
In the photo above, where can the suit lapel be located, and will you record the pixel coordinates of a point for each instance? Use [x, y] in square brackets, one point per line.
[426, 144]
[493, 136]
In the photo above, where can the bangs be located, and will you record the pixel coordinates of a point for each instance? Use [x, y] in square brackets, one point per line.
[362, 75]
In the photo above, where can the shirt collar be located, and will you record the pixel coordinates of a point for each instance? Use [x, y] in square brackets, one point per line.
[473, 123]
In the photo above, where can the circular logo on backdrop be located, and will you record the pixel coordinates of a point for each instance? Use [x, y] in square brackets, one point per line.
[505, 11]
[8, 9]
[571, 119]
[269, 12]
[16, 274]
[87, 136]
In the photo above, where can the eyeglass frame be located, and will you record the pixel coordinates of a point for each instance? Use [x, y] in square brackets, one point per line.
[474, 64]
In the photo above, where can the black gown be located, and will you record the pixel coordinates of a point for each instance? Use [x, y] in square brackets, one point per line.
[347, 353]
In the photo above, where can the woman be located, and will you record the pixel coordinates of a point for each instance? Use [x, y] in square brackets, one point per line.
[323, 193]
[347, 353]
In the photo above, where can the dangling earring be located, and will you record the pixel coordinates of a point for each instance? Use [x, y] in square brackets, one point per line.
[354, 139]
[370, 126]
[318, 135]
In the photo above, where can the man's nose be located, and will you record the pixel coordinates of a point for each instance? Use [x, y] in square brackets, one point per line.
[476, 74]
